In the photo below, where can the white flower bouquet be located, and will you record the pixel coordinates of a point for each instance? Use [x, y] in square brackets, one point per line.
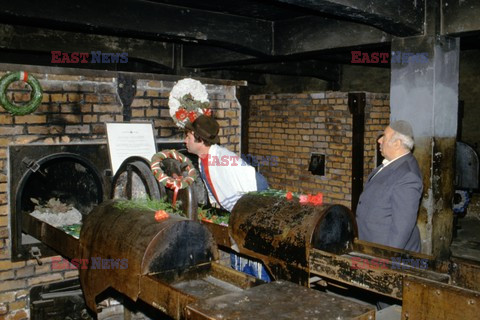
[188, 99]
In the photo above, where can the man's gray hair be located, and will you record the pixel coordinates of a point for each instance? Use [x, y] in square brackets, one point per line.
[407, 142]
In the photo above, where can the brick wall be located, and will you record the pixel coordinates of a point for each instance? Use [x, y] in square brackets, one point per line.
[74, 108]
[293, 126]
[151, 103]
[377, 117]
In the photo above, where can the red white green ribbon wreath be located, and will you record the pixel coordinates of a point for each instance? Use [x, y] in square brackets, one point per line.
[176, 182]
[35, 95]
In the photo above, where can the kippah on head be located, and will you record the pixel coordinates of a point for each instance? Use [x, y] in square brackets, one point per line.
[403, 127]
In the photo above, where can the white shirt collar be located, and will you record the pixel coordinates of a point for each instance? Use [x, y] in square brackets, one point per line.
[386, 162]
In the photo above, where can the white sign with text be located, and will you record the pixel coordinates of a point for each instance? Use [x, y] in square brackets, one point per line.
[127, 139]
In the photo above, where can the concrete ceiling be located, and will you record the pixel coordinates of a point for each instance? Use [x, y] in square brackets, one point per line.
[235, 39]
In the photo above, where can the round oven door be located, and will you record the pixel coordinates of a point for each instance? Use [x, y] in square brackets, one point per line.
[59, 189]
[135, 180]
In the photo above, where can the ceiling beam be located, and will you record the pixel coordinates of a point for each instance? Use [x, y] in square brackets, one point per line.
[307, 68]
[143, 19]
[311, 37]
[249, 77]
[460, 17]
[399, 18]
[197, 56]
[314, 34]
[28, 39]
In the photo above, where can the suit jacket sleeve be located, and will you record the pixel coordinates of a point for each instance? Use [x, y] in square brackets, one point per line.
[405, 199]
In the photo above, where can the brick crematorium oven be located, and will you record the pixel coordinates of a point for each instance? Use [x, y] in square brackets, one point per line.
[56, 159]
[82, 240]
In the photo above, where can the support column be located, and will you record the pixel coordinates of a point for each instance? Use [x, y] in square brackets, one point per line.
[426, 94]
[356, 106]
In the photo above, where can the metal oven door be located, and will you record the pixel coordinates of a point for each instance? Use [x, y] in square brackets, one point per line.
[73, 174]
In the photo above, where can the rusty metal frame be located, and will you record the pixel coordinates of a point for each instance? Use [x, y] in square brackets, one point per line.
[63, 243]
[279, 299]
[220, 234]
[429, 300]
[386, 281]
[163, 296]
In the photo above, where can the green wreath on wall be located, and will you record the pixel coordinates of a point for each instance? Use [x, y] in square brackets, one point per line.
[35, 95]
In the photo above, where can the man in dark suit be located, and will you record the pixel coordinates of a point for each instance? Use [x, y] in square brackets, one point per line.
[388, 206]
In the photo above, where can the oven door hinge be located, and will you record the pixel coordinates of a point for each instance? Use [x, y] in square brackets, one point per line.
[37, 254]
[31, 164]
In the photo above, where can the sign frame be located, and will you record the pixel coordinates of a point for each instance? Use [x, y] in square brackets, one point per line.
[127, 139]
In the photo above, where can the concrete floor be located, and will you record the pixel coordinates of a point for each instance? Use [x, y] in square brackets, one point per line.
[391, 313]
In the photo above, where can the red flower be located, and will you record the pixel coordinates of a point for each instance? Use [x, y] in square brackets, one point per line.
[161, 215]
[316, 200]
[181, 114]
[192, 116]
[207, 112]
[289, 196]
[303, 199]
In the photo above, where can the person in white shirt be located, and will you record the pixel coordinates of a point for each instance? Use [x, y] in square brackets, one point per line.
[226, 176]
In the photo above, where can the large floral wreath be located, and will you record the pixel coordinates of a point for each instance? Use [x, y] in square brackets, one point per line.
[188, 99]
[176, 182]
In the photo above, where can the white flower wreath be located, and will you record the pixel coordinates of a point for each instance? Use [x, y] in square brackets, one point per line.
[188, 99]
